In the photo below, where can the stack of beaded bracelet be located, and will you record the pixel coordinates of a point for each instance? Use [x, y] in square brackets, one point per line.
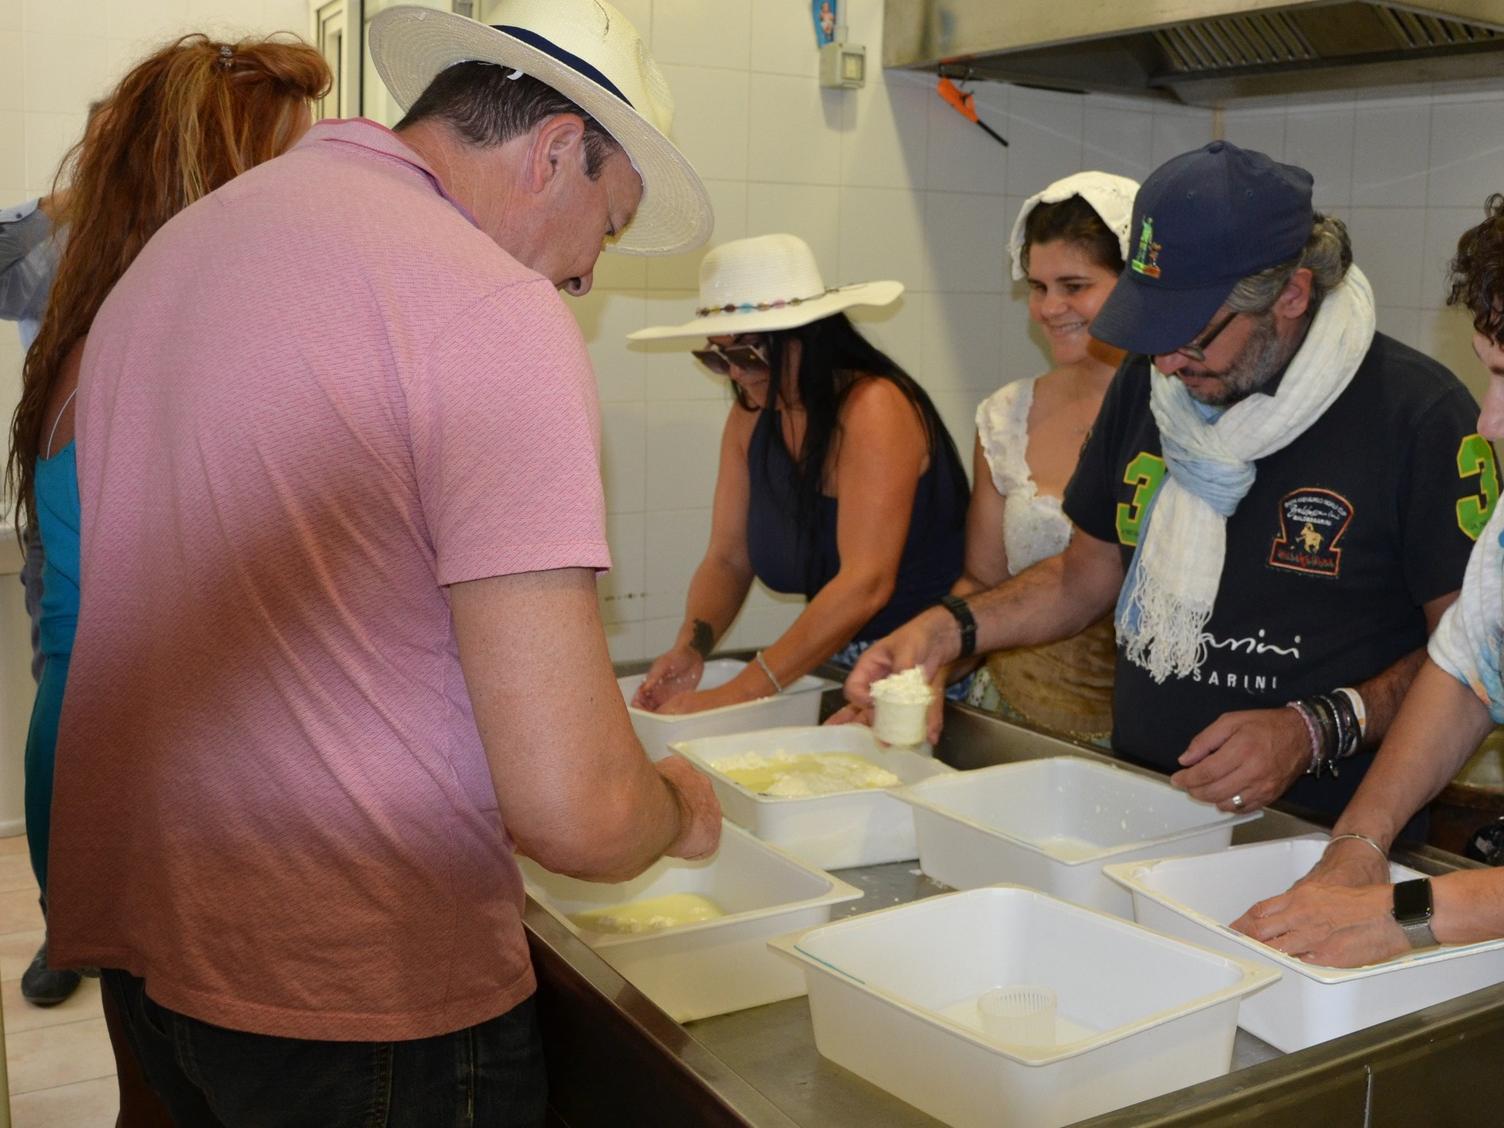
[1335, 726]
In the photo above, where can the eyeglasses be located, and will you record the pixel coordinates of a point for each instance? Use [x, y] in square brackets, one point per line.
[721, 359]
[1197, 350]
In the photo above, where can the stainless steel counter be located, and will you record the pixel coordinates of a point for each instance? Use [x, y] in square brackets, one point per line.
[760, 1066]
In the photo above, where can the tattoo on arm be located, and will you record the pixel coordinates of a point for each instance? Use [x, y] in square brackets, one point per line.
[702, 639]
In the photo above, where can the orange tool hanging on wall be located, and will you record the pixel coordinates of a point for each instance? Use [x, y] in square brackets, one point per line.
[965, 104]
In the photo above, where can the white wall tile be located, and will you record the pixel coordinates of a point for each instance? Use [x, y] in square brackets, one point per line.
[676, 542]
[1044, 132]
[1402, 324]
[794, 129]
[12, 84]
[224, 19]
[605, 318]
[683, 452]
[659, 634]
[12, 149]
[1443, 228]
[958, 410]
[1447, 336]
[286, 15]
[1120, 141]
[883, 236]
[621, 272]
[812, 212]
[1261, 130]
[623, 590]
[1467, 153]
[897, 329]
[83, 17]
[959, 157]
[672, 374]
[710, 119]
[682, 272]
[963, 341]
[1388, 243]
[966, 236]
[48, 139]
[883, 135]
[624, 641]
[1179, 131]
[63, 73]
[1321, 142]
[623, 459]
[695, 33]
[1391, 147]
[783, 39]
[10, 15]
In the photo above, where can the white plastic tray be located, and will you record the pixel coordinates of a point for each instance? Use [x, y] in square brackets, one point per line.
[717, 966]
[798, 704]
[892, 998]
[1197, 898]
[1050, 824]
[844, 828]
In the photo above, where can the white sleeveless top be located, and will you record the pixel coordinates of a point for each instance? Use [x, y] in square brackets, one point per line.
[1034, 526]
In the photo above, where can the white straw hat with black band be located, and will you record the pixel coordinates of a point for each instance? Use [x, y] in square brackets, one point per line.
[590, 53]
[766, 283]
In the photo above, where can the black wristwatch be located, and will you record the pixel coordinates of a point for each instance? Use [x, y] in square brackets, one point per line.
[1412, 910]
[959, 608]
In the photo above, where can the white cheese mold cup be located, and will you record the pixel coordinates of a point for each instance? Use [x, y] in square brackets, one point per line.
[902, 707]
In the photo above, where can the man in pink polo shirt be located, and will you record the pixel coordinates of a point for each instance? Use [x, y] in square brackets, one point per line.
[338, 652]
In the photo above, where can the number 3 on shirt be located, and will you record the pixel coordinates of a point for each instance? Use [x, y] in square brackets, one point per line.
[1475, 459]
[1144, 473]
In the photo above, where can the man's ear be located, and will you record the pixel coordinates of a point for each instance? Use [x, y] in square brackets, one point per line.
[1295, 298]
[554, 143]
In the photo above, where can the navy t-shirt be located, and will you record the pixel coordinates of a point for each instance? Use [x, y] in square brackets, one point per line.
[1343, 537]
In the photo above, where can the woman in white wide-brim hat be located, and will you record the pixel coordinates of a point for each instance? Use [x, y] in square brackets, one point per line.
[1069, 242]
[837, 479]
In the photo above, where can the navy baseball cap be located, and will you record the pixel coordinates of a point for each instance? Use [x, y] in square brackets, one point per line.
[1202, 222]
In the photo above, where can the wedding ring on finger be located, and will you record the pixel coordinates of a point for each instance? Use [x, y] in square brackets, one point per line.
[1237, 802]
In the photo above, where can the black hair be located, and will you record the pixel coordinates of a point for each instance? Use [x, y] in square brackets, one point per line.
[486, 107]
[833, 358]
[1076, 222]
[1477, 272]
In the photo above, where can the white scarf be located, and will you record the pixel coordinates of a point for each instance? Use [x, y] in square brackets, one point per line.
[1172, 581]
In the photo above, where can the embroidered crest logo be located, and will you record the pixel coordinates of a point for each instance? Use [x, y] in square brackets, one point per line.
[1311, 523]
[1146, 262]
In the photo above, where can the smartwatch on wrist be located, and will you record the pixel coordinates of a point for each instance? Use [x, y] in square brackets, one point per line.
[1412, 911]
[962, 611]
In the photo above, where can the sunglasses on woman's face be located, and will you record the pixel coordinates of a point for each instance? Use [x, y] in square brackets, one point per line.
[721, 359]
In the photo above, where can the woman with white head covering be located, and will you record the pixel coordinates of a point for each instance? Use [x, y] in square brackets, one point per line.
[837, 479]
[1070, 242]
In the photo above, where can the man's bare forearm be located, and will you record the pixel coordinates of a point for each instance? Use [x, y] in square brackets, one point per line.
[1056, 598]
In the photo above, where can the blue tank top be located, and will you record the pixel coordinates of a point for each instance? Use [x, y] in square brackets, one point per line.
[789, 562]
[58, 520]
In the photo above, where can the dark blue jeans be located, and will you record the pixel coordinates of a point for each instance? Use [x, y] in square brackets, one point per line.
[210, 1077]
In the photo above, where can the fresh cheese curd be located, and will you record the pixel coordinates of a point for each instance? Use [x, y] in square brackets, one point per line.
[653, 915]
[798, 775]
[902, 704]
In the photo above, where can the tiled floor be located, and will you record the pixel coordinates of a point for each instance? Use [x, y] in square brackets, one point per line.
[62, 1074]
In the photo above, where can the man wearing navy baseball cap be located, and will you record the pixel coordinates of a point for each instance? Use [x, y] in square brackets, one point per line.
[1280, 500]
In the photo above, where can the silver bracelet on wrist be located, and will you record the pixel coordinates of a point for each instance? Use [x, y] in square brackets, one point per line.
[1362, 838]
[763, 665]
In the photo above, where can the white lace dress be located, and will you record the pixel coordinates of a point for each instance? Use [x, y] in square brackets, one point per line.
[1063, 687]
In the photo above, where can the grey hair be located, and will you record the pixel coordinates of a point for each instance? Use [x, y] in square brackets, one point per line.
[1327, 255]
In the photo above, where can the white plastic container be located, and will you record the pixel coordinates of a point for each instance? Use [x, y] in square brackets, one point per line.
[798, 704]
[1051, 824]
[844, 828]
[893, 997]
[697, 970]
[1197, 898]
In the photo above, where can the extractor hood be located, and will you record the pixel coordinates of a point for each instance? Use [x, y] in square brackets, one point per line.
[1200, 52]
